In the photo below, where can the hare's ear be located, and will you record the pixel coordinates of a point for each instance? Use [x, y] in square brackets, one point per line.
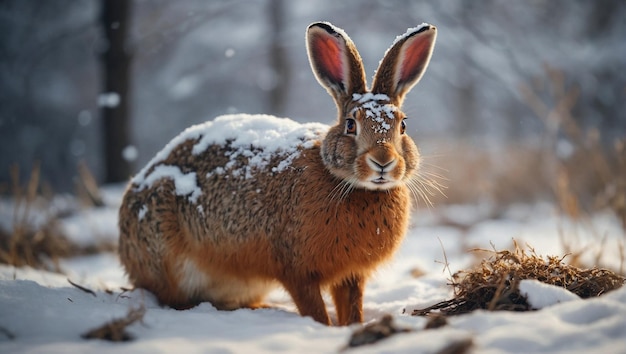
[404, 62]
[335, 61]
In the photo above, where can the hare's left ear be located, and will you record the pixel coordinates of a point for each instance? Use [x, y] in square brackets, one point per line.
[405, 62]
[335, 61]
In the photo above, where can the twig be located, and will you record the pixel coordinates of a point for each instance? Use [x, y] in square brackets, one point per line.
[89, 291]
[7, 333]
[446, 265]
[115, 331]
[373, 332]
[89, 185]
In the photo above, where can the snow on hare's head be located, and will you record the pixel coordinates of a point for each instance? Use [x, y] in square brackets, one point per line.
[368, 147]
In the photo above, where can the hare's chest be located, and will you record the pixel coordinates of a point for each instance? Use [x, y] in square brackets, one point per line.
[376, 230]
[359, 234]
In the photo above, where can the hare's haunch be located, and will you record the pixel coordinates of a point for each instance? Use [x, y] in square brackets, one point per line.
[233, 207]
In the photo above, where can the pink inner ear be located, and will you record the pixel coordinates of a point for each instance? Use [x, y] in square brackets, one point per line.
[414, 58]
[328, 57]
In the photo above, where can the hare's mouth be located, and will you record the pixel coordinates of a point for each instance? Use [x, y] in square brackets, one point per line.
[380, 180]
[381, 183]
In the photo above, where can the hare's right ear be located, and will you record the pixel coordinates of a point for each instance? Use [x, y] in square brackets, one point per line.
[335, 61]
[405, 62]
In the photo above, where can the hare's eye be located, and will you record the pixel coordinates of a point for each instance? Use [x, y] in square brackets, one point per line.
[350, 126]
[403, 126]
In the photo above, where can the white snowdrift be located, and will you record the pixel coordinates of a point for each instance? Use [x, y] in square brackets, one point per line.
[41, 312]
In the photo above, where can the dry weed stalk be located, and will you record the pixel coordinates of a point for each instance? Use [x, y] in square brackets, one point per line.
[494, 284]
[25, 245]
[592, 176]
[7, 333]
[115, 330]
[42, 245]
[87, 187]
[82, 288]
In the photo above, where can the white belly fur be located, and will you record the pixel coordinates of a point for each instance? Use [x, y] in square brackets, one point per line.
[224, 292]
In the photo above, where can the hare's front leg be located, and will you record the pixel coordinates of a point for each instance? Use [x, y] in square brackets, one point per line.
[308, 299]
[348, 298]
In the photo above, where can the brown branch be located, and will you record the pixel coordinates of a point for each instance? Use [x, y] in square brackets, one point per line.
[89, 291]
[115, 330]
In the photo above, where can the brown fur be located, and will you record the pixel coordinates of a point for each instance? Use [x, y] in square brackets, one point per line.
[305, 228]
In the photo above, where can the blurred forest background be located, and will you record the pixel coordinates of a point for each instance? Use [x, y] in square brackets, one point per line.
[522, 101]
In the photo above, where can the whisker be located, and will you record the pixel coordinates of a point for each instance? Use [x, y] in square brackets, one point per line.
[434, 175]
[435, 186]
[341, 190]
[430, 186]
[419, 192]
[424, 185]
[349, 185]
[335, 192]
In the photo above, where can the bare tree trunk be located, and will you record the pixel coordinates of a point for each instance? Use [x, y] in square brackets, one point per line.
[468, 123]
[279, 60]
[116, 61]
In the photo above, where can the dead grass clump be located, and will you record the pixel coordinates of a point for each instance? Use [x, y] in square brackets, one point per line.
[27, 245]
[385, 328]
[494, 284]
[374, 332]
[36, 238]
[115, 331]
[37, 248]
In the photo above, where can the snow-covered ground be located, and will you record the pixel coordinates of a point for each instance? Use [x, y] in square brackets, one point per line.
[41, 312]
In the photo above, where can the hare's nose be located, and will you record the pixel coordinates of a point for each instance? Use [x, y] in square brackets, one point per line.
[381, 166]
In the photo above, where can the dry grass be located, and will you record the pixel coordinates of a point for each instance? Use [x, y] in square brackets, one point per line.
[588, 178]
[477, 174]
[87, 188]
[385, 328]
[40, 248]
[39, 245]
[525, 173]
[115, 330]
[494, 284]
[592, 176]
[374, 332]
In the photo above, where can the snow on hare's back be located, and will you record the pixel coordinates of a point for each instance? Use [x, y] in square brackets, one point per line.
[233, 207]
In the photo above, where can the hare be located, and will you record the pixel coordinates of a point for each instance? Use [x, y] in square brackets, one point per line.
[234, 207]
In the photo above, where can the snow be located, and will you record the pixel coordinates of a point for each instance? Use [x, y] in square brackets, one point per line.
[591, 326]
[185, 183]
[409, 32]
[366, 97]
[144, 210]
[377, 112]
[43, 312]
[229, 53]
[185, 87]
[84, 118]
[259, 137]
[130, 153]
[109, 99]
[540, 295]
[90, 226]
